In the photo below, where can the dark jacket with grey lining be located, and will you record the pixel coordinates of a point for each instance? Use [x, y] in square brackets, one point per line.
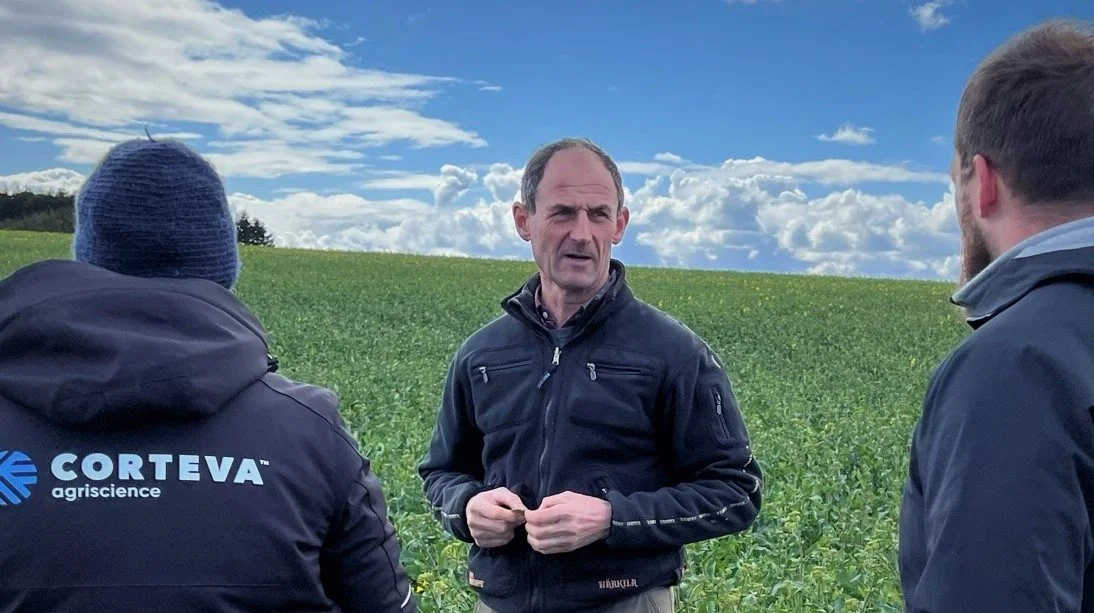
[633, 407]
[999, 500]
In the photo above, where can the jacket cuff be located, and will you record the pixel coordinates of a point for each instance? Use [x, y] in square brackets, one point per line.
[616, 536]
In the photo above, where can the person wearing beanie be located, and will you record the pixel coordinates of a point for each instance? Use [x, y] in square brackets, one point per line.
[157, 209]
[152, 457]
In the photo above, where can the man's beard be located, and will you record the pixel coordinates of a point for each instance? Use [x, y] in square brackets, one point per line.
[975, 252]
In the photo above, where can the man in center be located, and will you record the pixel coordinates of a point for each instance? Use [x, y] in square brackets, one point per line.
[584, 437]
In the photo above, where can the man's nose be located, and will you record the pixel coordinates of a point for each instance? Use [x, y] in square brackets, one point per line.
[581, 230]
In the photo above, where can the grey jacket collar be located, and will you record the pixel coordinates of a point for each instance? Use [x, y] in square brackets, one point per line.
[1063, 250]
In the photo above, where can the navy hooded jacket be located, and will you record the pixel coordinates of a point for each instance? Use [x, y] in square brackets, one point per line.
[1000, 496]
[151, 460]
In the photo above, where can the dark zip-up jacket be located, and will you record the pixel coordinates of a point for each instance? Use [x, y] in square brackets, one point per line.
[151, 460]
[999, 500]
[634, 408]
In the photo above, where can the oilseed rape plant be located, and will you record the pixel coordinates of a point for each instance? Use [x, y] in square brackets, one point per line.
[829, 373]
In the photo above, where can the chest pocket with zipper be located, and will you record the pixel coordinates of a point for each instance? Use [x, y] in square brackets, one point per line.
[501, 383]
[615, 391]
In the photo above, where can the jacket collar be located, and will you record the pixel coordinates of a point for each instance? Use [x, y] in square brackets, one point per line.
[591, 303]
[521, 304]
[1063, 250]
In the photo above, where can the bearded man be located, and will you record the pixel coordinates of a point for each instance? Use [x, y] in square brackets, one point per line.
[999, 499]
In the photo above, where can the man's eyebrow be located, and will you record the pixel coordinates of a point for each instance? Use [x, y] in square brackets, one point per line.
[566, 206]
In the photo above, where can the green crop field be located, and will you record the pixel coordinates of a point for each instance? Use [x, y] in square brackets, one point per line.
[829, 373]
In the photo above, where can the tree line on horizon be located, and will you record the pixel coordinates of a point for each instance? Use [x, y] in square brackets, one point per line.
[55, 212]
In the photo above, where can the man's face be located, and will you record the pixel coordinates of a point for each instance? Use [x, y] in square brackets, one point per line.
[575, 223]
[976, 253]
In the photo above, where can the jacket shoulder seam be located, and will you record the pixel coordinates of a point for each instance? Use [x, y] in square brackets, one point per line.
[334, 427]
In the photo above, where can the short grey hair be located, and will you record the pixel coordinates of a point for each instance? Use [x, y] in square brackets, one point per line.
[537, 164]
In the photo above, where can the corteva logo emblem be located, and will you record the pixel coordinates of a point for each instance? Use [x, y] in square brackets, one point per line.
[127, 475]
[17, 475]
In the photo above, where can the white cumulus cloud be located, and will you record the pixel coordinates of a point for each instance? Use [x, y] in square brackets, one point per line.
[824, 172]
[52, 181]
[848, 134]
[705, 218]
[455, 182]
[929, 15]
[504, 182]
[346, 221]
[746, 214]
[743, 214]
[849, 232]
[670, 158]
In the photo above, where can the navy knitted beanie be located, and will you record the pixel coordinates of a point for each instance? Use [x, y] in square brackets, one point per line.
[157, 209]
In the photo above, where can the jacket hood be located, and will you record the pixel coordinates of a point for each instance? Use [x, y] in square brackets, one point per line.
[1066, 250]
[86, 347]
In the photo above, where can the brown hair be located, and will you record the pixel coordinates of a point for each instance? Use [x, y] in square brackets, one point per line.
[1029, 110]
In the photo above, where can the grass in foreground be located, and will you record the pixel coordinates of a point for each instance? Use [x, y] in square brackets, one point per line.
[829, 373]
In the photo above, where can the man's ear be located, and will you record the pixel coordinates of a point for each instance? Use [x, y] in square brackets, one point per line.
[520, 220]
[621, 221]
[987, 187]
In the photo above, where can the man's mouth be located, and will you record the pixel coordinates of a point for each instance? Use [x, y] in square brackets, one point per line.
[578, 257]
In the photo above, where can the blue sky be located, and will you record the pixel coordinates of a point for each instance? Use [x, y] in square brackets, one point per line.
[788, 135]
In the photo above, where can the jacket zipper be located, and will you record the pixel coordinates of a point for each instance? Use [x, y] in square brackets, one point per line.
[537, 594]
[602, 485]
[625, 370]
[718, 409]
[533, 320]
[550, 404]
[547, 421]
[484, 370]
